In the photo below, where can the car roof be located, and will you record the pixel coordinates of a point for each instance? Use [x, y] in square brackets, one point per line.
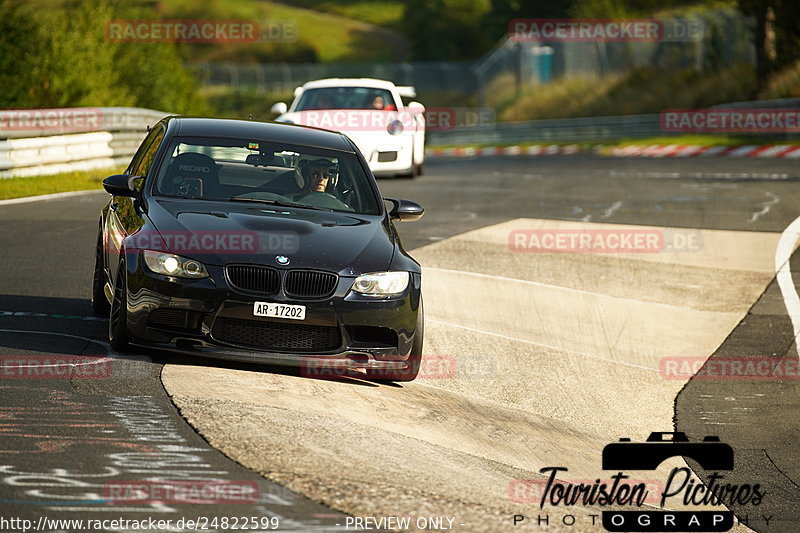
[278, 132]
[350, 82]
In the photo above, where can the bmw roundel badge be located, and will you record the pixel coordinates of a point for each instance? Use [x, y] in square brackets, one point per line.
[282, 259]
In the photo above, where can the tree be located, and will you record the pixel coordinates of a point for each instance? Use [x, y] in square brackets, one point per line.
[60, 57]
[446, 29]
[775, 33]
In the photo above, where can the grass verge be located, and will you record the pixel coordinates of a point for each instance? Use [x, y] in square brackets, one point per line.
[69, 181]
[330, 36]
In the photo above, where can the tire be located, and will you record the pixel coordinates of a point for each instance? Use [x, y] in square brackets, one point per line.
[100, 304]
[414, 359]
[118, 318]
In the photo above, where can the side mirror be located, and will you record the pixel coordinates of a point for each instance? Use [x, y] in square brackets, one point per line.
[279, 108]
[121, 185]
[405, 210]
[416, 108]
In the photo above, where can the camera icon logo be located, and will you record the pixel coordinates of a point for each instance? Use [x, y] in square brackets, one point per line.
[710, 453]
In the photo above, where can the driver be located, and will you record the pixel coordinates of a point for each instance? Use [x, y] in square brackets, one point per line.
[315, 174]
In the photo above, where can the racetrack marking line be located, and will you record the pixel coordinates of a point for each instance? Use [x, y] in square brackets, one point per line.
[765, 207]
[71, 365]
[53, 196]
[112, 354]
[702, 175]
[95, 341]
[33, 314]
[783, 274]
[611, 210]
[540, 284]
[541, 345]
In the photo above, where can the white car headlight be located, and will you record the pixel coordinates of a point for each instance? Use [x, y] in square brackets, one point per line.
[381, 283]
[395, 127]
[174, 265]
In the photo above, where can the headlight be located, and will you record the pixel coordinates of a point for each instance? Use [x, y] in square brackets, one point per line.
[174, 265]
[395, 127]
[381, 283]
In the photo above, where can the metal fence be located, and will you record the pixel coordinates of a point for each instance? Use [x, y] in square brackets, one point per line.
[725, 39]
[426, 76]
[592, 129]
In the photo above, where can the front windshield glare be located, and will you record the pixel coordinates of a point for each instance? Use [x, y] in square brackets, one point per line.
[246, 169]
[346, 98]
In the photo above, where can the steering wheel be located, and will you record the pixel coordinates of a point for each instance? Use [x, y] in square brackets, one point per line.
[324, 199]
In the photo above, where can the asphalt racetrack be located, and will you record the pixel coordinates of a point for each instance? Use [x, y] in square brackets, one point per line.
[532, 360]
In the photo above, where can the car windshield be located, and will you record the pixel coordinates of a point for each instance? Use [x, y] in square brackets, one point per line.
[346, 98]
[258, 171]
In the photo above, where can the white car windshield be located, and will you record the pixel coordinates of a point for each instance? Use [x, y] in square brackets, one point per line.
[346, 98]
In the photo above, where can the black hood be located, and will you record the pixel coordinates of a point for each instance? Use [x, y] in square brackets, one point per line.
[218, 233]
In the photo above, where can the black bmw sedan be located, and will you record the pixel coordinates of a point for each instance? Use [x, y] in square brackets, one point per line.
[259, 242]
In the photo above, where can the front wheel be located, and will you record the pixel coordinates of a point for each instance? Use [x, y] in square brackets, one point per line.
[414, 359]
[118, 321]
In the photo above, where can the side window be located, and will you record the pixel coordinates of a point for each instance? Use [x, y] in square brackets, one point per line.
[141, 167]
[137, 157]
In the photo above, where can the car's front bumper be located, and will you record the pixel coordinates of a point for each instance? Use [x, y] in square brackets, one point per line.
[386, 154]
[360, 333]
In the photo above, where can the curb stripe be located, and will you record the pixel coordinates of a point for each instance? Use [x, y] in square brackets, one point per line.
[789, 151]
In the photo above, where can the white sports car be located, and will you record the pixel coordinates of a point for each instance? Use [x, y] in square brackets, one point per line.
[390, 134]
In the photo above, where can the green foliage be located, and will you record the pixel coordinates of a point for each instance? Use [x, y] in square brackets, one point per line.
[52, 60]
[385, 13]
[58, 56]
[323, 35]
[783, 84]
[241, 103]
[631, 8]
[446, 29]
[639, 91]
[774, 33]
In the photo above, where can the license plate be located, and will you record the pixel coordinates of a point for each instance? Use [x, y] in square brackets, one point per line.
[275, 310]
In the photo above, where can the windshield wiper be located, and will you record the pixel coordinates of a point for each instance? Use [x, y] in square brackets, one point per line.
[278, 203]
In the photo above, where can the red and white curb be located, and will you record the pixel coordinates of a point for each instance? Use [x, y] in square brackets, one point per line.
[504, 150]
[783, 151]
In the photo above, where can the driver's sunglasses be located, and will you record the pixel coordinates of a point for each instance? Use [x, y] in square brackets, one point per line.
[321, 173]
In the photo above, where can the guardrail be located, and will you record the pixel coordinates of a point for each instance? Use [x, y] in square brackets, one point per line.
[554, 130]
[592, 129]
[48, 141]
